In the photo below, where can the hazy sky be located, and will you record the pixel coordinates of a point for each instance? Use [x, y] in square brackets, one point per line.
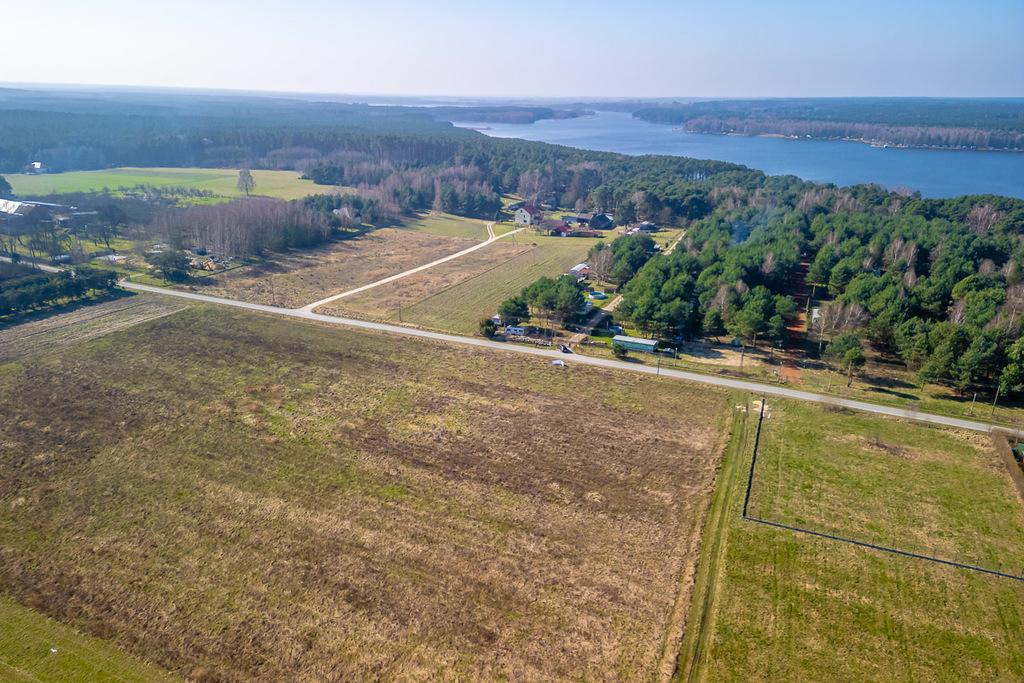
[545, 48]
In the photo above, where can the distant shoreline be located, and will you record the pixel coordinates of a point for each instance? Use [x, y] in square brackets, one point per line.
[872, 143]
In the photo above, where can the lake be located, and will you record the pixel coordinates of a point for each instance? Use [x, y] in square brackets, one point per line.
[935, 173]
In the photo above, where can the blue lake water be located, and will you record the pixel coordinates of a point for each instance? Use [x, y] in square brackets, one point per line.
[935, 173]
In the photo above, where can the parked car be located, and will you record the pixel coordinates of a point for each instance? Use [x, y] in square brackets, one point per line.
[564, 349]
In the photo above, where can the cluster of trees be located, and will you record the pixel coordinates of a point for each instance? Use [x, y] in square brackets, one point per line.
[554, 299]
[40, 291]
[973, 124]
[619, 261]
[244, 227]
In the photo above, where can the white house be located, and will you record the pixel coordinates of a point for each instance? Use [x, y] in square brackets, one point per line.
[528, 215]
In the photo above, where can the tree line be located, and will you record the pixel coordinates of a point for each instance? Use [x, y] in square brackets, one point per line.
[36, 292]
[243, 227]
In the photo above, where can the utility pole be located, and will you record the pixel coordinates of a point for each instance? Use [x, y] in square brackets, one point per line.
[973, 401]
[998, 387]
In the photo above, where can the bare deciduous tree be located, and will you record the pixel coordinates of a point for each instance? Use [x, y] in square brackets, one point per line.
[835, 318]
[245, 183]
[982, 218]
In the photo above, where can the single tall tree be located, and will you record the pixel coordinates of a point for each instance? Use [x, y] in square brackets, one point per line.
[245, 181]
[5, 188]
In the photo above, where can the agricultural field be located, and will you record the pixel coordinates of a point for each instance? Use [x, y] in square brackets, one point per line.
[220, 181]
[297, 278]
[459, 308]
[233, 496]
[774, 604]
[383, 303]
[447, 225]
[87, 320]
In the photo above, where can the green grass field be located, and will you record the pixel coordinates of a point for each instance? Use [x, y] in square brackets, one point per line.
[460, 308]
[777, 605]
[34, 647]
[447, 225]
[221, 182]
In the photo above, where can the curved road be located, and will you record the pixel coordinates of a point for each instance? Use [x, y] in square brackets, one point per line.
[491, 238]
[725, 382]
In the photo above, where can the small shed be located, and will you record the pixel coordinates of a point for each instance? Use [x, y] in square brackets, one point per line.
[636, 343]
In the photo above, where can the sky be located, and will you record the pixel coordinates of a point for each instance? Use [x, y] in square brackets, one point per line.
[552, 48]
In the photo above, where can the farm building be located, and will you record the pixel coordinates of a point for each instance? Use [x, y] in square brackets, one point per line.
[554, 228]
[17, 216]
[580, 270]
[37, 168]
[578, 219]
[601, 221]
[636, 343]
[528, 215]
[515, 205]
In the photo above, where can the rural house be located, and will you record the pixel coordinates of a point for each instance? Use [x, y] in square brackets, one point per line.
[601, 221]
[528, 215]
[580, 270]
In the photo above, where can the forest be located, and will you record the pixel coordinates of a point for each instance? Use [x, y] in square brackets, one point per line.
[993, 124]
[934, 283]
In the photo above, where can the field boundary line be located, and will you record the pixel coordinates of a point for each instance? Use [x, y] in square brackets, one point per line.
[887, 549]
[852, 541]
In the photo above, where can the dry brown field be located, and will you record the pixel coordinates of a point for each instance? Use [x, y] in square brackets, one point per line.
[234, 496]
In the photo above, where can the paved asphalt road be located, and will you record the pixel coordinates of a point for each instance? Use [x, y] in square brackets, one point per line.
[764, 389]
[492, 237]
